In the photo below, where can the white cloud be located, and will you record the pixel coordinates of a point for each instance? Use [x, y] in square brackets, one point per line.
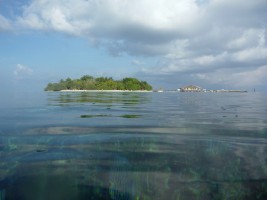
[22, 71]
[128, 24]
[248, 38]
[114, 19]
[137, 62]
[211, 59]
[5, 24]
[57, 15]
[256, 54]
[236, 78]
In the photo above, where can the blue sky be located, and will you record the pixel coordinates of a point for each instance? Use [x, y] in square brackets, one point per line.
[169, 43]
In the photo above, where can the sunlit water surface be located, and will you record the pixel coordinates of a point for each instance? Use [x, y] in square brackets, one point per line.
[86, 145]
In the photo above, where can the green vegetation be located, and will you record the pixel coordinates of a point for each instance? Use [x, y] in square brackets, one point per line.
[102, 83]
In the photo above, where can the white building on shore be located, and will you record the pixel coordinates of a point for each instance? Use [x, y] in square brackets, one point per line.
[191, 88]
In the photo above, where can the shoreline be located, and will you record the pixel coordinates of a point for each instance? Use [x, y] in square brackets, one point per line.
[103, 91]
[146, 91]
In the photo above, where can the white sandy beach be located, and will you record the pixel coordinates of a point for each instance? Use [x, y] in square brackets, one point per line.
[106, 91]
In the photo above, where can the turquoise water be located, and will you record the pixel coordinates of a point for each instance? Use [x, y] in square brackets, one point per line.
[135, 146]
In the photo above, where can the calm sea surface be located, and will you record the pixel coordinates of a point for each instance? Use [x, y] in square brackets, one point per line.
[86, 145]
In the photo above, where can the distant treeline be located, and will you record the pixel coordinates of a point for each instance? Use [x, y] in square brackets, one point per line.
[102, 83]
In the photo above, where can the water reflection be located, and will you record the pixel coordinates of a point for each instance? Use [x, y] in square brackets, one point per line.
[124, 98]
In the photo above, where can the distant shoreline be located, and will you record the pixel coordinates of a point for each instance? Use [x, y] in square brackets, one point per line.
[145, 91]
[104, 91]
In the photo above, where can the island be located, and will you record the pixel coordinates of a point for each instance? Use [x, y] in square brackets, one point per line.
[88, 82]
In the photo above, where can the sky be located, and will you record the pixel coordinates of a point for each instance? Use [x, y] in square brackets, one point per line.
[216, 44]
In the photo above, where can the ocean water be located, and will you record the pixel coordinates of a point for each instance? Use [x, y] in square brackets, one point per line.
[170, 145]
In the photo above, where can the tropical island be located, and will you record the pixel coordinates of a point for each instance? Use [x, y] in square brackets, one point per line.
[88, 82]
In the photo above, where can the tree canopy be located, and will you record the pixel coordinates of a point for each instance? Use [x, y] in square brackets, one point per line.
[101, 83]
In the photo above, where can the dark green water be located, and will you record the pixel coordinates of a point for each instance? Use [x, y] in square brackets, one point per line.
[135, 146]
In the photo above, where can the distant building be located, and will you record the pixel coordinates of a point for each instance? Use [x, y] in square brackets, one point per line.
[191, 88]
